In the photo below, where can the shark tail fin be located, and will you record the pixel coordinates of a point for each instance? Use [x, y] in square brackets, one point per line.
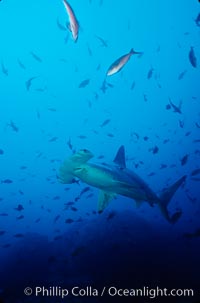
[166, 197]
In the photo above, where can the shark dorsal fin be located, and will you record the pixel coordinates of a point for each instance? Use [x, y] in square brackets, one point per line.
[120, 157]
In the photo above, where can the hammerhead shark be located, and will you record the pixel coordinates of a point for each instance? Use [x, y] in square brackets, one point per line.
[116, 178]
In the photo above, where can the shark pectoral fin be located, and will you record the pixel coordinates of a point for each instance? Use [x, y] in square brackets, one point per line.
[65, 173]
[66, 178]
[104, 199]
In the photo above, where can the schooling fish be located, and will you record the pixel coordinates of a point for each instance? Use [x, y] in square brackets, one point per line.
[13, 126]
[103, 42]
[116, 66]
[104, 123]
[36, 57]
[177, 109]
[73, 23]
[192, 57]
[195, 172]
[4, 69]
[6, 181]
[84, 83]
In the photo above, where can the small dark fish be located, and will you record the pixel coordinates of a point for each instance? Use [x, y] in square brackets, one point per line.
[28, 83]
[4, 69]
[18, 235]
[195, 234]
[82, 137]
[151, 174]
[36, 57]
[105, 122]
[38, 114]
[184, 160]
[56, 218]
[146, 138]
[150, 73]
[104, 86]
[133, 85]
[177, 109]
[60, 26]
[145, 98]
[21, 192]
[163, 166]
[69, 203]
[69, 221]
[181, 123]
[195, 172]
[135, 134]
[58, 238]
[195, 179]
[37, 220]
[84, 83]
[84, 190]
[56, 198]
[181, 75]
[23, 167]
[7, 181]
[2, 232]
[78, 251]
[69, 143]
[197, 20]
[19, 207]
[1, 151]
[51, 109]
[73, 208]
[89, 50]
[187, 133]
[192, 57]
[21, 64]
[6, 245]
[165, 141]
[13, 126]
[197, 125]
[77, 198]
[20, 217]
[53, 139]
[111, 215]
[154, 150]
[168, 106]
[110, 135]
[3, 214]
[103, 42]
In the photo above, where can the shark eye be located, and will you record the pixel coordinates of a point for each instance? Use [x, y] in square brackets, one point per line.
[85, 151]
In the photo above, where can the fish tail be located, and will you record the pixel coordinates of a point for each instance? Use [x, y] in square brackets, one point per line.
[133, 52]
[165, 199]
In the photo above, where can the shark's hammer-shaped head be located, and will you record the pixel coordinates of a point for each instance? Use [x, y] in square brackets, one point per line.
[68, 167]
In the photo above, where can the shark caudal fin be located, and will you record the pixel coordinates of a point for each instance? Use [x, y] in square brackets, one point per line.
[166, 197]
[67, 168]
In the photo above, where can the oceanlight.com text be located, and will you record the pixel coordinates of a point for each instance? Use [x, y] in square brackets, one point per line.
[112, 291]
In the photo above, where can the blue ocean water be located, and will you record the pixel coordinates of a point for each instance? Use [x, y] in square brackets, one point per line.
[56, 99]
